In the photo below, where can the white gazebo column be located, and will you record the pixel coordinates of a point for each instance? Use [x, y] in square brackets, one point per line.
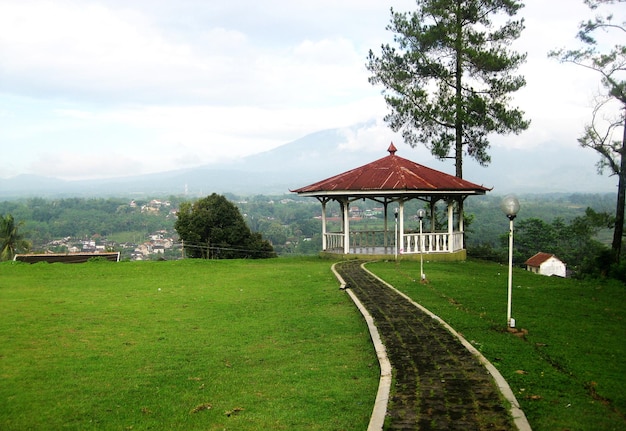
[401, 228]
[450, 225]
[324, 241]
[461, 224]
[346, 226]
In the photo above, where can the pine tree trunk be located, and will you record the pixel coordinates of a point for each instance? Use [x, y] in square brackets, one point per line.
[621, 200]
[458, 150]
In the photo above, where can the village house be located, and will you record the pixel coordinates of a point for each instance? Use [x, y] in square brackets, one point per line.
[546, 264]
[158, 243]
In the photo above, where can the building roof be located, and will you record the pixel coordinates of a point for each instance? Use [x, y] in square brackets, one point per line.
[392, 174]
[539, 258]
[66, 257]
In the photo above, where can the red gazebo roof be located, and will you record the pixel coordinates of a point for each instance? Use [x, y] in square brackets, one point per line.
[392, 174]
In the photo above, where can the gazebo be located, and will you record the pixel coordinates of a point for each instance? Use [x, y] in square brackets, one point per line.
[394, 181]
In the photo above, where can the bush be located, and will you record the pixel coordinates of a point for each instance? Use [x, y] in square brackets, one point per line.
[213, 228]
[618, 271]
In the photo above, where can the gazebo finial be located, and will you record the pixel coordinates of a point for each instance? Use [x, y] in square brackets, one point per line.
[392, 149]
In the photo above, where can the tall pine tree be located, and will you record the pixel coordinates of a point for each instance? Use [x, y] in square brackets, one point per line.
[449, 77]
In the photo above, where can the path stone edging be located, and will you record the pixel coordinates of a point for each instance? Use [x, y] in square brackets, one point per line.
[519, 418]
[377, 419]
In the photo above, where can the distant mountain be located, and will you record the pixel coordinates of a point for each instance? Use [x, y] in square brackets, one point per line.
[313, 157]
[325, 153]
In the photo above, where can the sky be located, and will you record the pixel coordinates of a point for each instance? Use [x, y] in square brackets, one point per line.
[109, 88]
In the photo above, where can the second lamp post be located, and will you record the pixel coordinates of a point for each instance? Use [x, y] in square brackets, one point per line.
[510, 207]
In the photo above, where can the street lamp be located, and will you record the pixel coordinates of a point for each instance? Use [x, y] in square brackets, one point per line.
[510, 207]
[420, 216]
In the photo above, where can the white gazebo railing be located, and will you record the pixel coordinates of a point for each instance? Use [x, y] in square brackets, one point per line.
[334, 240]
[433, 242]
[370, 238]
[413, 243]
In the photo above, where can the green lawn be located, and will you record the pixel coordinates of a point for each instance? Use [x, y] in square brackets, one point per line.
[184, 345]
[568, 372]
[273, 344]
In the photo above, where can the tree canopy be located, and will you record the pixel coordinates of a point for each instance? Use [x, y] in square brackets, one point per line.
[449, 78]
[11, 239]
[608, 117]
[575, 242]
[213, 227]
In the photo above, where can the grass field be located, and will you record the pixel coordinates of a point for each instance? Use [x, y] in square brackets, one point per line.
[566, 367]
[273, 344]
[185, 345]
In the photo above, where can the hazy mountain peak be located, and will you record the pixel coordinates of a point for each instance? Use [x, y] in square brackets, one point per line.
[319, 155]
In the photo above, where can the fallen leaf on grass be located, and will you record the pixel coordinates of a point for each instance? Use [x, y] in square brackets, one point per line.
[521, 372]
[234, 411]
[199, 408]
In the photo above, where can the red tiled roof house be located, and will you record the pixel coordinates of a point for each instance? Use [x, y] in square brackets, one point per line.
[546, 264]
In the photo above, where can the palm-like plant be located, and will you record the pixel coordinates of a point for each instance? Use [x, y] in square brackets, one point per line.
[11, 240]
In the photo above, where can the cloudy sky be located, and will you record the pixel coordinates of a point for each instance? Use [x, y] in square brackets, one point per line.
[104, 88]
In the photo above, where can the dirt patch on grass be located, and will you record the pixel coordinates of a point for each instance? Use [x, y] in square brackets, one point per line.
[438, 383]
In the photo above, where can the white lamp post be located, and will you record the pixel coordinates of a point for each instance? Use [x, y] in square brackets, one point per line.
[510, 207]
[420, 216]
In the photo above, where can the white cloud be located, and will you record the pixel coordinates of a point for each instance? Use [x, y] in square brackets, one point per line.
[371, 137]
[163, 84]
[86, 165]
[94, 52]
[558, 98]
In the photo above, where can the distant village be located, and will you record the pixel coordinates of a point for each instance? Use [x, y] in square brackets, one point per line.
[163, 243]
[157, 245]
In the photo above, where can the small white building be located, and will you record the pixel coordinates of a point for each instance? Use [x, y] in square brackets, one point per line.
[546, 264]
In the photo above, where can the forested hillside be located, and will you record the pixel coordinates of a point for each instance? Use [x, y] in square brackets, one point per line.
[489, 223]
[288, 221]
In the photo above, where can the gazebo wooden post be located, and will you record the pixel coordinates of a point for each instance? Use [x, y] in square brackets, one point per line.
[401, 225]
[324, 240]
[345, 205]
[450, 224]
[461, 223]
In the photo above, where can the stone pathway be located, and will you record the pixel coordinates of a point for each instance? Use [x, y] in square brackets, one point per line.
[438, 383]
